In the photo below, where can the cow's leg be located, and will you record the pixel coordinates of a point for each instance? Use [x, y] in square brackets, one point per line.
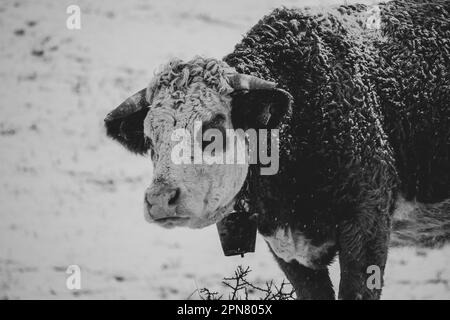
[361, 247]
[309, 284]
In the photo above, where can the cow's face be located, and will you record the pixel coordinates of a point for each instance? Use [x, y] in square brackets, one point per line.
[184, 101]
[191, 192]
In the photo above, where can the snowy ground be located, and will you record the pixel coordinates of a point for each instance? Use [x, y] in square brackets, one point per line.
[68, 195]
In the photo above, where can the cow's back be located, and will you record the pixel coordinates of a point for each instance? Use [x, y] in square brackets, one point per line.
[349, 74]
[414, 90]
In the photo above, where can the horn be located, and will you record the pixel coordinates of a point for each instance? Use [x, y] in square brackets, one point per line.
[131, 105]
[240, 81]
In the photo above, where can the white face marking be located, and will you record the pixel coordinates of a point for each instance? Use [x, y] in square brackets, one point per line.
[181, 96]
[373, 21]
[290, 246]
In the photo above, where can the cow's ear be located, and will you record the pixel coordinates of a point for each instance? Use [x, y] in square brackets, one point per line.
[259, 109]
[125, 123]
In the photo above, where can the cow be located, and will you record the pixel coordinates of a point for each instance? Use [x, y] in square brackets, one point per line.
[359, 97]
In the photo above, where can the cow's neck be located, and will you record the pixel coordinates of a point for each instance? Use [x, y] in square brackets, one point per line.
[242, 199]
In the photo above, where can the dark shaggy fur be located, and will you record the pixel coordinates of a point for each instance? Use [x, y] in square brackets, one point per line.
[370, 121]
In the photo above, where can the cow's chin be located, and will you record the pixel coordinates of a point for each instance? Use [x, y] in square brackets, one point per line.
[191, 220]
[188, 222]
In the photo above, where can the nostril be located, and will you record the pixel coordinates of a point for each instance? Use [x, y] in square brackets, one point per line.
[149, 204]
[174, 197]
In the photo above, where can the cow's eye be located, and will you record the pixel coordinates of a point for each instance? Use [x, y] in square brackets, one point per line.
[217, 123]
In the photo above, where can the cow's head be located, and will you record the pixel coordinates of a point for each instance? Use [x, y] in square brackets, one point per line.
[182, 95]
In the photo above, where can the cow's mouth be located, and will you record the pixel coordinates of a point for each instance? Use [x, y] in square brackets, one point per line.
[171, 221]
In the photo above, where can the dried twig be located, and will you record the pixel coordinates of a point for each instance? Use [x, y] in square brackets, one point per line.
[240, 288]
